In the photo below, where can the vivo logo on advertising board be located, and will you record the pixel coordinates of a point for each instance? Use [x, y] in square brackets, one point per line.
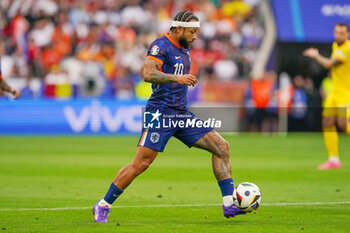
[98, 115]
[339, 10]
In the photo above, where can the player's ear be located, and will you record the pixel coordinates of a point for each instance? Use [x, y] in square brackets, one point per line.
[180, 29]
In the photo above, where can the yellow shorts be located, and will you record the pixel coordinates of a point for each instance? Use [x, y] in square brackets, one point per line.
[336, 107]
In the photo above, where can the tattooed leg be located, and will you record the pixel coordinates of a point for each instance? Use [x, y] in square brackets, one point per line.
[216, 145]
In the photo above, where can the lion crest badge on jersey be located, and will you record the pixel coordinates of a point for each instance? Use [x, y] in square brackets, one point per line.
[155, 137]
[155, 50]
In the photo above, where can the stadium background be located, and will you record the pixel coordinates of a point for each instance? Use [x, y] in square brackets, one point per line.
[77, 54]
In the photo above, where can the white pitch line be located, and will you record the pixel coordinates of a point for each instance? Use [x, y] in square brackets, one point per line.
[178, 205]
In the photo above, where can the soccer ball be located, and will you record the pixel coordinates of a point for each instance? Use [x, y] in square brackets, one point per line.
[247, 196]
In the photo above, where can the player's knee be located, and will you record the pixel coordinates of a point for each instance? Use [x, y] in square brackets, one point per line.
[328, 122]
[342, 124]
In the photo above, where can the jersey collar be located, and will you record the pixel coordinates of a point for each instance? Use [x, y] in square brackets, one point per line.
[346, 43]
[172, 41]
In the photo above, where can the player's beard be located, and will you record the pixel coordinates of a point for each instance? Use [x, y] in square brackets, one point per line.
[340, 41]
[183, 42]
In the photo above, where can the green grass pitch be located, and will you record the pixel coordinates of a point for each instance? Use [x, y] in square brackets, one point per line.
[58, 172]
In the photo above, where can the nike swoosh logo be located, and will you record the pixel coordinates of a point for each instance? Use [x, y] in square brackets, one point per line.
[115, 195]
[177, 57]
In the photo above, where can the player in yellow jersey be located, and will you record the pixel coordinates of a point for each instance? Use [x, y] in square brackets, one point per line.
[336, 109]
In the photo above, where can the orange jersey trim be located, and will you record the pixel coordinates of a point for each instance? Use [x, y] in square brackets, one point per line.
[172, 41]
[143, 135]
[156, 59]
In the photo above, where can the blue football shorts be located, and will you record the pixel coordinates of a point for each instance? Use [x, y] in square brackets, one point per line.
[184, 126]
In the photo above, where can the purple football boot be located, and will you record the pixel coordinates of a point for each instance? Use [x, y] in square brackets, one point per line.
[232, 211]
[100, 212]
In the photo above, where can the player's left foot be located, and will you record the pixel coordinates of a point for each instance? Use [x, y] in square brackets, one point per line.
[100, 212]
[232, 211]
[329, 165]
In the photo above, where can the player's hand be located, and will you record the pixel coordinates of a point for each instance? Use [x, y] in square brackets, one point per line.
[187, 79]
[15, 93]
[311, 52]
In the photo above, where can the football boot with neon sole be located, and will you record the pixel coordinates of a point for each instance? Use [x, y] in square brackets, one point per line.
[329, 165]
[100, 212]
[232, 211]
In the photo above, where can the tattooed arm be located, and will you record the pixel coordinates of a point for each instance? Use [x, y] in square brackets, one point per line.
[5, 87]
[152, 74]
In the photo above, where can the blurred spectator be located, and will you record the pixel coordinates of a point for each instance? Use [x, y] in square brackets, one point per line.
[27, 92]
[252, 33]
[314, 111]
[237, 8]
[18, 27]
[124, 85]
[297, 117]
[260, 98]
[49, 57]
[272, 108]
[7, 62]
[42, 32]
[226, 69]
[62, 35]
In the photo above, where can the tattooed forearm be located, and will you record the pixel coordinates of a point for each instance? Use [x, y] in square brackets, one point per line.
[159, 77]
[4, 86]
[152, 74]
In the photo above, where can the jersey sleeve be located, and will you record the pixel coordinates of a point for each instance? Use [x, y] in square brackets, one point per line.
[342, 54]
[346, 53]
[157, 52]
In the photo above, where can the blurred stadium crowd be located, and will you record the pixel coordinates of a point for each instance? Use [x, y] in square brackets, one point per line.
[265, 98]
[74, 48]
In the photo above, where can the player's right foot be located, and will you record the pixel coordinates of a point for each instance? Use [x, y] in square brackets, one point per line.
[329, 165]
[232, 211]
[100, 212]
